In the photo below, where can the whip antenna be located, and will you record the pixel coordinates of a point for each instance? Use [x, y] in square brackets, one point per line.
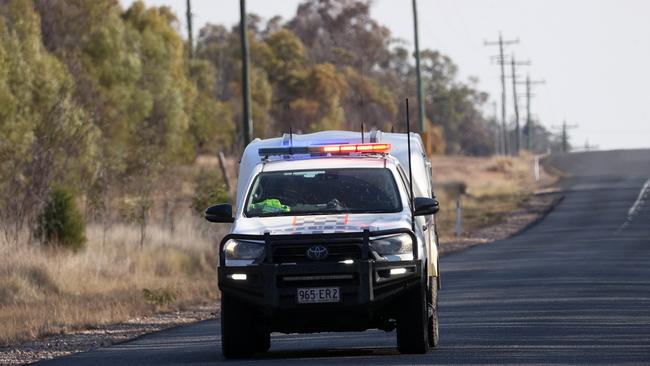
[408, 141]
[290, 140]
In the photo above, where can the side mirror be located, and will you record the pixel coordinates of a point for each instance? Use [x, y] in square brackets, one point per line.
[426, 206]
[219, 213]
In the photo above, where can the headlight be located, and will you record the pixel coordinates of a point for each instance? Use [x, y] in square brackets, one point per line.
[393, 245]
[238, 249]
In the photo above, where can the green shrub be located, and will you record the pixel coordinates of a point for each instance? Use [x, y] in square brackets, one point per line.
[60, 223]
[209, 190]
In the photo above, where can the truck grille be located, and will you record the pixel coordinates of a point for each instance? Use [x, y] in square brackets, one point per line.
[297, 253]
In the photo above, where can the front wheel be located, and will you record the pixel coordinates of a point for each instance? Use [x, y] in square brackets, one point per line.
[263, 340]
[241, 335]
[413, 322]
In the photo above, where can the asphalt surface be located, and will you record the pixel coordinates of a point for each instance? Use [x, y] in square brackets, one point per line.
[573, 289]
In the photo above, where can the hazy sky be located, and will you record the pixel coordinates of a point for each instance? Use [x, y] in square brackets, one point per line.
[593, 54]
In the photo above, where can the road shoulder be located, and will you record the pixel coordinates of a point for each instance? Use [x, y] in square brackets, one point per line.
[527, 215]
[100, 336]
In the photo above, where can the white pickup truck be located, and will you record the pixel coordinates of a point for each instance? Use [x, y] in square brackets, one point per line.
[330, 235]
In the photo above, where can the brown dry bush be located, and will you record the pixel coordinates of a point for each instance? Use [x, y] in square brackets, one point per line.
[491, 188]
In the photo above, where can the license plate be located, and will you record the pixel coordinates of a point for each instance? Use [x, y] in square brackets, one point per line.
[316, 295]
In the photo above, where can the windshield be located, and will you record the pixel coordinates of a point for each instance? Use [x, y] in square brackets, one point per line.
[327, 191]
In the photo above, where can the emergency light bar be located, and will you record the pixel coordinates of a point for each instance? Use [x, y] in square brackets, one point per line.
[326, 149]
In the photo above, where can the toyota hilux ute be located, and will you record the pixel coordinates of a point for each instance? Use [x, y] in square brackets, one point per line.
[330, 235]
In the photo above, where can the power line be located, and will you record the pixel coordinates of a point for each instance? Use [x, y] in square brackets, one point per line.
[501, 43]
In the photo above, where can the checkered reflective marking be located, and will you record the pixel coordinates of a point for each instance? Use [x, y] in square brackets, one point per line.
[321, 225]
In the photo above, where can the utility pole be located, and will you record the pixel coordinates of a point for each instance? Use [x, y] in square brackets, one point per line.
[501, 43]
[190, 36]
[513, 65]
[246, 96]
[497, 131]
[565, 134]
[421, 116]
[565, 138]
[529, 119]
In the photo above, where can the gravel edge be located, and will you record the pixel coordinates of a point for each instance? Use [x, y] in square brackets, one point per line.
[100, 336]
[529, 214]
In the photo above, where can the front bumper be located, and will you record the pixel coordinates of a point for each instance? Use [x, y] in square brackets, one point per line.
[361, 283]
[367, 287]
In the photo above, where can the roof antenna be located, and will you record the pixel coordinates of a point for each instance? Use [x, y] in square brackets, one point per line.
[361, 105]
[290, 140]
[408, 141]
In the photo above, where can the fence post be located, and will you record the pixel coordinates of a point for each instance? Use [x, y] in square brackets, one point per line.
[458, 218]
[224, 172]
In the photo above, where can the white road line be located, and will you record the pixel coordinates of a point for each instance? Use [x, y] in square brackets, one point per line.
[640, 201]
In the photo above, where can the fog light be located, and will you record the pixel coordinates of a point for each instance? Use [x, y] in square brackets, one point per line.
[347, 261]
[397, 271]
[238, 276]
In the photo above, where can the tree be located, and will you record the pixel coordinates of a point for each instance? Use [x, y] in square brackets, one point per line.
[329, 27]
[44, 134]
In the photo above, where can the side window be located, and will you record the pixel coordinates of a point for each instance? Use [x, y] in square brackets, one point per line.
[404, 180]
[430, 174]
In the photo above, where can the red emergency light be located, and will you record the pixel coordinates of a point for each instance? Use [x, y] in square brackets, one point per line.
[356, 148]
[336, 149]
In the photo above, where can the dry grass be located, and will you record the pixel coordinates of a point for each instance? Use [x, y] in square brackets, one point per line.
[493, 187]
[43, 291]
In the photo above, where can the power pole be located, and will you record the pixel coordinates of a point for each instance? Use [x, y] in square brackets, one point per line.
[565, 137]
[513, 65]
[190, 36]
[501, 43]
[565, 134]
[529, 119]
[417, 70]
[497, 132]
[246, 96]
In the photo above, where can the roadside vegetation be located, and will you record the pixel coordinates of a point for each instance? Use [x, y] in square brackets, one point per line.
[47, 290]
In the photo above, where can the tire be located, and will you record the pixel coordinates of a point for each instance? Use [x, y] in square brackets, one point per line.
[433, 335]
[240, 337]
[412, 322]
[263, 343]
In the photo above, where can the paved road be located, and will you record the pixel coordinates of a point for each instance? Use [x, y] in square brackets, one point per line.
[574, 289]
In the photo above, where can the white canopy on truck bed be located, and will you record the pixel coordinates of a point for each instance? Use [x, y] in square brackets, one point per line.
[399, 149]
